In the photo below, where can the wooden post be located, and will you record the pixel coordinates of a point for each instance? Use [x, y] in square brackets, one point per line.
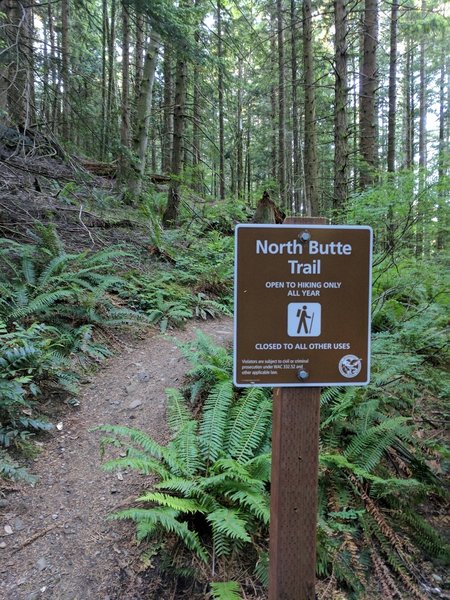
[293, 504]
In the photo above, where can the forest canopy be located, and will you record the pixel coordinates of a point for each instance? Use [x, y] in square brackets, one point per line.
[311, 101]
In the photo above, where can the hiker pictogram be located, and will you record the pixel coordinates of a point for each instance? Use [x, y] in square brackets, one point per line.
[304, 319]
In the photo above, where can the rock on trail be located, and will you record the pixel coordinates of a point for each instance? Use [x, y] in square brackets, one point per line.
[55, 539]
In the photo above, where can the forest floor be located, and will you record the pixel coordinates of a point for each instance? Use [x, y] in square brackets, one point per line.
[56, 541]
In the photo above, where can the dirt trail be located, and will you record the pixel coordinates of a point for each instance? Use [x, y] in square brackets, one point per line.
[61, 545]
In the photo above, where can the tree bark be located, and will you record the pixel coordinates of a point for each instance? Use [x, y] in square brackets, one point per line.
[239, 136]
[166, 158]
[296, 171]
[103, 118]
[392, 88]
[409, 108]
[139, 53]
[143, 110]
[368, 89]
[310, 151]
[65, 77]
[197, 172]
[125, 107]
[110, 96]
[442, 228]
[17, 77]
[422, 99]
[273, 102]
[221, 103]
[281, 107]
[4, 63]
[171, 213]
[420, 229]
[341, 151]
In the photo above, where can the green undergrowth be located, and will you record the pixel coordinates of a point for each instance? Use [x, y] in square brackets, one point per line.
[52, 306]
[380, 462]
[193, 279]
[56, 307]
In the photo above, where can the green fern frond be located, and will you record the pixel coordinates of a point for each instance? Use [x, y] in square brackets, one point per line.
[47, 238]
[56, 265]
[229, 522]
[142, 464]
[187, 487]
[255, 433]
[182, 505]
[329, 394]
[137, 437]
[10, 470]
[214, 418]
[424, 534]
[186, 447]
[260, 467]
[167, 454]
[262, 568]
[255, 500]
[222, 544]
[177, 412]
[149, 520]
[242, 417]
[368, 447]
[40, 303]
[226, 590]
[28, 270]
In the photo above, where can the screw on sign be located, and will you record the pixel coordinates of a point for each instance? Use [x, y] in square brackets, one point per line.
[302, 321]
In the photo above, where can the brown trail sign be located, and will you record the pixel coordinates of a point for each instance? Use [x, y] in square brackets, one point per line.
[302, 305]
[302, 318]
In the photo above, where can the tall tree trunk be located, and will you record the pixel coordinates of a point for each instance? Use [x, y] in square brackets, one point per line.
[281, 107]
[139, 53]
[296, 173]
[341, 151]
[239, 136]
[103, 118]
[442, 212]
[45, 100]
[4, 63]
[110, 97]
[422, 99]
[355, 122]
[310, 151]
[53, 109]
[409, 108]
[196, 137]
[65, 44]
[392, 88]
[125, 108]
[420, 226]
[273, 102]
[220, 58]
[30, 62]
[125, 101]
[166, 159]
[17, 83]
[143, 110]
[171, 213]
[248, 164]
[196, 116]
[368, 88]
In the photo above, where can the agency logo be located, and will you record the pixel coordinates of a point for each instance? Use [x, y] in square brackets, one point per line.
[350, 366]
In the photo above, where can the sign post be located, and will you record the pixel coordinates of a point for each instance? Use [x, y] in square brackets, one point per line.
[302, 295]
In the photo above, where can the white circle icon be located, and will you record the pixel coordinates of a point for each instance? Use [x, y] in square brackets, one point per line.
[350, 366]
